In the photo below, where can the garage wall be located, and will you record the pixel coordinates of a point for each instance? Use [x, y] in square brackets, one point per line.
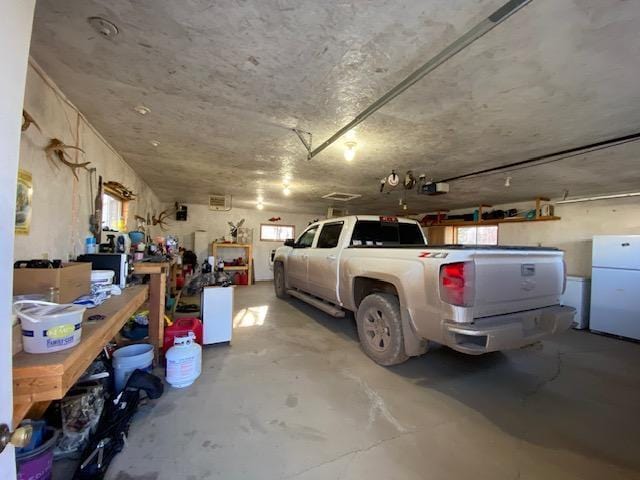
[215, 224]
[580, 222]
[62, 204]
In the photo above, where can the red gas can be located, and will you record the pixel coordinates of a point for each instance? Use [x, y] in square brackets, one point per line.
[181, 328]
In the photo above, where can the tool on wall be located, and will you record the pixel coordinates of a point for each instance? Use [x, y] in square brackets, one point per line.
[58, 149]
[95, 220]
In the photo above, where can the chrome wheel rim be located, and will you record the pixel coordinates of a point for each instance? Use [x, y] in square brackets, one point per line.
[376, 330]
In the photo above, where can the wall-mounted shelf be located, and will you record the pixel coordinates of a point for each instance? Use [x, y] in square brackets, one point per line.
[471, 223]
[494, 222]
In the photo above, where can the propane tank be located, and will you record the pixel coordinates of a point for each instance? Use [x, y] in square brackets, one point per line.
[184, 361]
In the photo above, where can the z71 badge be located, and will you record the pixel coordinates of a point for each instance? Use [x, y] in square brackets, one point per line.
[433, 255]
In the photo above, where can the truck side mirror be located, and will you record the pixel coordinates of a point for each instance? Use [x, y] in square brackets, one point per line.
[289, 242]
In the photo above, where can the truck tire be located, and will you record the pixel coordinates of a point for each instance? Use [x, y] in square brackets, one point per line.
[380, 329]
[279, 283]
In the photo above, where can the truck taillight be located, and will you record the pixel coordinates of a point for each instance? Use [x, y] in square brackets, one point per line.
[456, 283]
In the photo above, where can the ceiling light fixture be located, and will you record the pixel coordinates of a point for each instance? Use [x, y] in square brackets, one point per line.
[260, 206]
[350, 151]
[601, 197]
[155, 143]
[103, 26]
[141, 109]
[286, 190]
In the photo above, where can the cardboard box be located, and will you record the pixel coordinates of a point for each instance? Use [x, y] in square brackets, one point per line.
[73, 280]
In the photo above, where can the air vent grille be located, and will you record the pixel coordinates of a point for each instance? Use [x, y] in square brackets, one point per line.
[341, 197]
[220, 203]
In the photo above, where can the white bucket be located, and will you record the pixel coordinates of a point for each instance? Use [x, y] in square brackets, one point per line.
[49, 327]
[184, 361]
[129, 358]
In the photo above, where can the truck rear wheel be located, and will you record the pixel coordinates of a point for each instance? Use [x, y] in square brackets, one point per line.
[380, 329]
[279, 283]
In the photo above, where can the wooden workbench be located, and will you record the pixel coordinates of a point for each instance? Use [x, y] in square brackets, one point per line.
[40, 378]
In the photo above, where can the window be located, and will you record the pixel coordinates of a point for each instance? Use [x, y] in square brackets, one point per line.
[276, 233]
[374, 232]
[329, 235]
[112, 213]
[306, 239]
[477, 235]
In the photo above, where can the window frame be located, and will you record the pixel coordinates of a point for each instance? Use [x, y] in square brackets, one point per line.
[121, 214]
[313, 240]
[328, 224]
[277, 225]
[457, 242]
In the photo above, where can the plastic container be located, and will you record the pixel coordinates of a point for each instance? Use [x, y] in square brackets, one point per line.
[90, 245]
[184, 361]
[181, 328]
[48, 327]
[102, 276]
[38, 462]
[127, 359]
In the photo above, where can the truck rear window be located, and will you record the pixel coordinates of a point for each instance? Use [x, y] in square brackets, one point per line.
[375, 233]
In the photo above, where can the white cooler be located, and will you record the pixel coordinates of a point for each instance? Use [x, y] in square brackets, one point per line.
[578, 296]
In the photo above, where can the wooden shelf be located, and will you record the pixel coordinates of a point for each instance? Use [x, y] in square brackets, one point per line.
[248, 257]
[493, 222]
[232, 245]
[48, 376]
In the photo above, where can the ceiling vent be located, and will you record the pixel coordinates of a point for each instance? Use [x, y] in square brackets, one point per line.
[220, 203]
[341, 197]
[336, 212]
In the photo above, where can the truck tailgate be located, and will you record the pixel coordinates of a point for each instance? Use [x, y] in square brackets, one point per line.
[508, 281]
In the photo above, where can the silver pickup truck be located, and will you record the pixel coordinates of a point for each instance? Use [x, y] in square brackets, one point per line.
[406, 293]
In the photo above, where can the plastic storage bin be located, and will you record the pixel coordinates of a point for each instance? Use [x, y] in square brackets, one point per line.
[49, 327]
[181, 328]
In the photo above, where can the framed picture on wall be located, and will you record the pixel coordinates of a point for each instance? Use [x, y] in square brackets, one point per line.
[24, 195]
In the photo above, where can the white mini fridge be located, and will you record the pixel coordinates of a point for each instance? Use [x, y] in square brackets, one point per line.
[217, 314]
[577, 295]
[615, 285]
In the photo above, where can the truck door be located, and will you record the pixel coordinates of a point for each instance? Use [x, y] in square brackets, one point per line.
[322, 269]
[297, 260]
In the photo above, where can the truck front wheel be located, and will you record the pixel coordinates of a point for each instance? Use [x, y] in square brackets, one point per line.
[279, 282]
[380, 329]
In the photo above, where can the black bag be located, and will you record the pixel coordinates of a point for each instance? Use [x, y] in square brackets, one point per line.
[111, 435]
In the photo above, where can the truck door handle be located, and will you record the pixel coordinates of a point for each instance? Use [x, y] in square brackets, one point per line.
[331, 257]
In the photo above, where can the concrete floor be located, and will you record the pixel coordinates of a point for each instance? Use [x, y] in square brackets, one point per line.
[294, 397]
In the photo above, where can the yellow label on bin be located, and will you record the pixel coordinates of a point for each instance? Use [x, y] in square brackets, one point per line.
[60, 331]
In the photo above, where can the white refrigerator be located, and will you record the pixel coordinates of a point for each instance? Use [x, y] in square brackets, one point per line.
[615, 285]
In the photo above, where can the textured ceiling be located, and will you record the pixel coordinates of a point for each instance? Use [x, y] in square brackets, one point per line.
[226, 80]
